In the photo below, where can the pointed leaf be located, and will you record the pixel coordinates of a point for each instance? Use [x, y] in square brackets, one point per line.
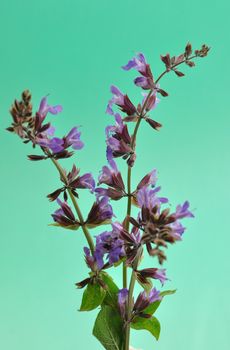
[70, 227]
[108, 328]
[92, 225]
[93, 296]
[150, 324]
[111, 291]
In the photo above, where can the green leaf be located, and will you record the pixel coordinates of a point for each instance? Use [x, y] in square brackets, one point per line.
[70, 227]
[105, 222]
[111, 291]
[150, 324]
[168, 292]
[93, 296]
[151, 309]
[108, 328]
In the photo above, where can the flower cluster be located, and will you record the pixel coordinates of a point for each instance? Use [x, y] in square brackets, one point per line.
[151, 229]
[111, 177]
[158, 225]
[39, 132]
[73, 182]
[119, 141]
[143, 300]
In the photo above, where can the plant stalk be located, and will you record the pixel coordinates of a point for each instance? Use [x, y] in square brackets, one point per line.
[129, 175]
[76, 206]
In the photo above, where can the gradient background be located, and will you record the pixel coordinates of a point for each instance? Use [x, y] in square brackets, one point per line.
[73, 50]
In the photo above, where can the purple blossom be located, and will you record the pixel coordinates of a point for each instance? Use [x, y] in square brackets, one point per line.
[55, 144]
[151, 103]
[91, 260]
[43, 132]
[118, 99]
[131, 242]
[122, 301]
[159, 226]
[139, 63]
[147, 198]
[45, 108]
[159, 274]
[177, 230]
[95, 266]
[121, 101]
[73, 139]
[107, 173]
[64, 215]
[73, 182]
[148, 180]
[86, 181]
[109, 243]
[111, 177]
[144, 82]
[182, 211]
[101, 213]
[144, 299]
[119, 141]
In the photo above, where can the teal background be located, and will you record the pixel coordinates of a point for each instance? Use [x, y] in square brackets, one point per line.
[73, 50]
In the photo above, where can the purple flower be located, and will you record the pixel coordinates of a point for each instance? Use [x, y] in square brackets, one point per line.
[159, 274]
[131, 242]
[91, 260]
[100, 214]
[151, 103]
[64, 215]
[55, 144]
[122, 301]
[119, 141]
[183, 212]
[45, 108]
[139, 63]
[107, 173]
[42, 131]
[73, 182]
[177, 230]
[86, 181]
[111, 177]
[147, 198]
[148, 180]
[73, 139]
[144, 299]
[109, 243]
[95, 266]
[159, 227]
[121, 101]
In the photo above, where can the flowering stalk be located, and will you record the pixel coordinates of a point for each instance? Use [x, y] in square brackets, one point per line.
[129, 175]
[153, 229]
[76, 206]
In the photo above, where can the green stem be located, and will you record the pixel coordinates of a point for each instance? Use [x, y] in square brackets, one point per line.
[76, 206]
[130, 299]
[128, 213]
[133, 145]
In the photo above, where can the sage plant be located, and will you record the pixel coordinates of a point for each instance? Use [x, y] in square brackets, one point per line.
[127, 238]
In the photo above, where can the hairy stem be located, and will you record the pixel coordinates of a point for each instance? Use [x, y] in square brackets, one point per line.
[76, 206]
